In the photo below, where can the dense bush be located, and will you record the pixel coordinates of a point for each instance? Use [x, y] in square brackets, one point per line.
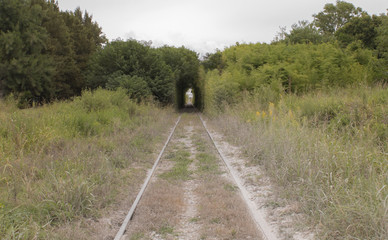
[163, 73]
[43, 51]
[298, 68]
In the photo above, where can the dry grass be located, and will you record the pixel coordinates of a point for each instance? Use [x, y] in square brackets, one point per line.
[158, 211]
[222, 213]
[67, 162]
[323, 151]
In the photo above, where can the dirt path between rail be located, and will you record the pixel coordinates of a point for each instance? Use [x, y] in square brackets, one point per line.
[191, 195]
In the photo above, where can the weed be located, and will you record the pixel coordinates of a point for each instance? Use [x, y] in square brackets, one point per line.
[233, 233]
[194, 219]
[180, 170]
[199, 143]
[165, 230]
[137, 236]
[230, 187]
[215, 220]
[207, 163]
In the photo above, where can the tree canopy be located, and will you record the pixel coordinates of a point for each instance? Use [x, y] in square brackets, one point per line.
[333, 17]
[144, 71]
[44, 51]
[341, 23]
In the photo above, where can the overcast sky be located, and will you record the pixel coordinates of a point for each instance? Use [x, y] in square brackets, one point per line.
[203, 25]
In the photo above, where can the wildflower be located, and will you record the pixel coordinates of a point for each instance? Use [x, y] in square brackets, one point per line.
[258, 113]
[271, 105]
[264, 114]
[271, 108]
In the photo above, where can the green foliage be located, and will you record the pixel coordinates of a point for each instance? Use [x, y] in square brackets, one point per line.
[136, 87]
[213, 61]
[185, 66]
[87, 38]
[25, 66]
[342, 23]
[164, 73]
[303, 32]
[41, 56]
[60, 48]
[297, 68]
[132, 65]
[361, 28]
[333, 17]
[382, 38]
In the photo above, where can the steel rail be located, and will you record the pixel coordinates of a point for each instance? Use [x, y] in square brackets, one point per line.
[260, 222]
[123, 227]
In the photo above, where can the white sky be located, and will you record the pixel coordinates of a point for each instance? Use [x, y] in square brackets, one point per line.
[204, 25]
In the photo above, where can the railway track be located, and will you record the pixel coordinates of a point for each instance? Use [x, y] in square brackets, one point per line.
[261, 224]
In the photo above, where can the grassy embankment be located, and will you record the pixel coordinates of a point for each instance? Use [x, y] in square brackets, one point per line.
[68, 160]
[326, 150]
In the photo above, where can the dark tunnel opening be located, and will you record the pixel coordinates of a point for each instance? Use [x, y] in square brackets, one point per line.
[182, 87]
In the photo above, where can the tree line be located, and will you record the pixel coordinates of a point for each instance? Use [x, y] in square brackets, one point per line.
[143, 71]
[48, 54]
[341, 22]
[343, 46]
[44, 52]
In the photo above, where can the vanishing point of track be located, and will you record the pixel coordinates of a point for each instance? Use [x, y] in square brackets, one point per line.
[260, 222]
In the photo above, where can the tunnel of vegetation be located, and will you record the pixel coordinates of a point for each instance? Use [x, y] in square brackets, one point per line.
[185, 65]
[47, 54]
[163, 74]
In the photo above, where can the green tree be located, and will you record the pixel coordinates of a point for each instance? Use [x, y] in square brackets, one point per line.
[60, 47]
[132, 58]
[213, 61]
[363, 28]
[44, 51]
[303, 32]
[26, 68]
[87, 38]
[333, 17]
[136, 87]
[382, 38]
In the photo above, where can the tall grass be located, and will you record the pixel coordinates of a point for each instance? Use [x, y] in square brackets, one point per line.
[67, 160]
[326, 150]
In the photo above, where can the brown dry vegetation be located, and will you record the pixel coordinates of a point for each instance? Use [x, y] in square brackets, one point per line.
[66, 165]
